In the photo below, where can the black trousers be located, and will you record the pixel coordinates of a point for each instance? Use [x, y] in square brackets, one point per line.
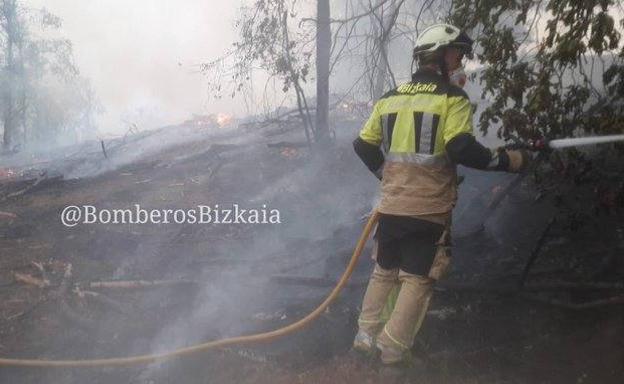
[407, 243]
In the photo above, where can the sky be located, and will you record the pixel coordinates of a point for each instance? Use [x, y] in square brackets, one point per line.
[142, 55]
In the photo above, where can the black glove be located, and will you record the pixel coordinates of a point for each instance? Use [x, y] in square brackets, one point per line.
[512, 160]
[371, 155]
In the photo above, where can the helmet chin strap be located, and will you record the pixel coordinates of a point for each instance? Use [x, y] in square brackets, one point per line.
[442, 64]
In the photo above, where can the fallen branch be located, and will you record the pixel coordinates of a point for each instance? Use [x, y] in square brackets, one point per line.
[319, 282]
[41, 270]
[63, 293]
[39, 179]
[492, 206]
[215, 169]
[30, 280]
[534, 287]
[506, 289]
[287, 144]
[535, 252]
[104, 300]
[26, 312]
[7, 215]
[135, 284]
[42, 177]
[65, 283]
[580, 306]
[103, 149]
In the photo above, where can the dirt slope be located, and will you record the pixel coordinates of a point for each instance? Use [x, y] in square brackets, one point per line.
[245, 278]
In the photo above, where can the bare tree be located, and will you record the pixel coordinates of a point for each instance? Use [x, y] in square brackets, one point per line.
[12, 93]
[274, 39]
[42, 95]
[323, 56]
[268, 40]
[383, 22]
[376, 33]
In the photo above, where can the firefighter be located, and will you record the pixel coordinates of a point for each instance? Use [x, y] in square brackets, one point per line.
[413, 140]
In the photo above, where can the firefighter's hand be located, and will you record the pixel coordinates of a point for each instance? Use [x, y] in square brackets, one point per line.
[514, 160]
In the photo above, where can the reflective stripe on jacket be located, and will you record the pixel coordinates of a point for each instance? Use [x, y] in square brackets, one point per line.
[412, 124]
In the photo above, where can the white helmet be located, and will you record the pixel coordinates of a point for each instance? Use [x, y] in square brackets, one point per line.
[442, 35]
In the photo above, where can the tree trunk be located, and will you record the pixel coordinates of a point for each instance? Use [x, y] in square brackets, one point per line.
[323, 49]
[378, 80]
[9, 14]
[8, 117]
[302, 104]
[387, 19]
[8, 122]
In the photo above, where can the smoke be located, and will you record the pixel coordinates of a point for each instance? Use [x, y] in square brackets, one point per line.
[141, 59]
[316, 203]
[143, 56]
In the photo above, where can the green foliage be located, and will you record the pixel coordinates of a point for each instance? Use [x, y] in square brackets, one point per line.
[541, 65]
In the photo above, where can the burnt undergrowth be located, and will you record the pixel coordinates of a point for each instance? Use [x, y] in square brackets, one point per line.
[490, 321]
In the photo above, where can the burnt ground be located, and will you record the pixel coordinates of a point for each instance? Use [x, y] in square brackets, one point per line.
[246, 278]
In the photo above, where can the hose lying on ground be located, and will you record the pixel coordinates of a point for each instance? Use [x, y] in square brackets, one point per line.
[249, 339]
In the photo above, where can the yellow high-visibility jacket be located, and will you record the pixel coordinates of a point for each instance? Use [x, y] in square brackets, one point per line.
[413, 124]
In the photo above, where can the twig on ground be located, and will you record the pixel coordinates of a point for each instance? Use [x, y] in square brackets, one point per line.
[103, 149]
[288, 144]
[21, 314]
[576, 306]
[105, 300]
[65, 283]
[41, 270]
[532, 287]
[63, 293]
[507, 289]
[535, 252]
[30, 280]
[7, 215]
[134, 284]
[43, 176]
[213, 170]
[320, 282]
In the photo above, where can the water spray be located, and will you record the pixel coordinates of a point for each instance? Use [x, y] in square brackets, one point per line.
[582, 141]
[542, 145]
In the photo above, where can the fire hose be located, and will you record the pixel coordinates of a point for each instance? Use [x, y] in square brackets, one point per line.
[198, 348]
